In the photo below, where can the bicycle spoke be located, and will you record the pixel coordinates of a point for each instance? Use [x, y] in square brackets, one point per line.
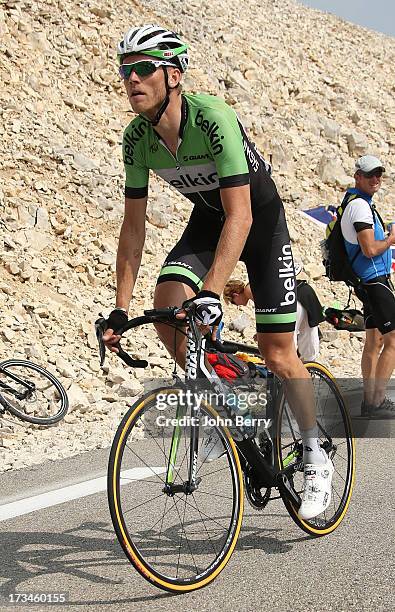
[190, 550]
[216, 471]
[142, 503]
[160, 531]
[179, 547]
[335, 490]
[204, 525]
[142, 460]
[341, 443]
[210, 519]
[158, 445]
[290, 425]
[165, 513]
[142, 480]
[338, 473]
[216, 494]
[341, 457]
[284, 447]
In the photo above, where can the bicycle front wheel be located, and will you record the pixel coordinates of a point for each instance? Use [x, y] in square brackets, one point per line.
[177, 541]
[32, 393]
[334, 430]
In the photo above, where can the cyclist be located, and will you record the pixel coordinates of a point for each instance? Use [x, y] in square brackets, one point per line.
[197, 144]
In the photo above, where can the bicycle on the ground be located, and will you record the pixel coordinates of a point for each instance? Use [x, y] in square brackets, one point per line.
[177, 515]
[31, 393]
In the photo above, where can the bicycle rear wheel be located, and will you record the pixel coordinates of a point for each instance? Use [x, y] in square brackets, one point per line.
[334, 427]
[32, 393]
[177, 542]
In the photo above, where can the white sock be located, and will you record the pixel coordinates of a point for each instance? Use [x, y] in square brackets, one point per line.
[312, 451]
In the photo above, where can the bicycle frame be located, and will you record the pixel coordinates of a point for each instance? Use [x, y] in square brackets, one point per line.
[265, 474]
[196, 369]
[30, 387]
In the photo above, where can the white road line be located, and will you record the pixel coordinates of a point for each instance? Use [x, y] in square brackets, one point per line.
[59, 496]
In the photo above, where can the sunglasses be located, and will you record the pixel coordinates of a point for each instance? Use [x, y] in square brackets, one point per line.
[142, 69]
[377, 172]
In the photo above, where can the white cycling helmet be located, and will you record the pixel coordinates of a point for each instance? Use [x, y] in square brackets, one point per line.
[157, 42]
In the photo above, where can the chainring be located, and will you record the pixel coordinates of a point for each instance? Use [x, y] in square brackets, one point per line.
[255, 497]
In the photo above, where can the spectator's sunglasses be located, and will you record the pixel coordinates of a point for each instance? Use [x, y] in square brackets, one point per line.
[142, 69]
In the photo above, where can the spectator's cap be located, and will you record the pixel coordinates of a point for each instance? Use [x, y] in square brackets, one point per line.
[298, 266]
[367, 163]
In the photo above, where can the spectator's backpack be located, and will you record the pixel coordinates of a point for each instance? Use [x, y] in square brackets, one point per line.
[338, 267]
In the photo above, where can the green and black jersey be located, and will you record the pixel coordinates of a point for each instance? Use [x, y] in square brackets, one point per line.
[213, 152]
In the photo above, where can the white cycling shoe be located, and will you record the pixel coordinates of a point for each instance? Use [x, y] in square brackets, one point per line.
[316, 495]
[212, 446]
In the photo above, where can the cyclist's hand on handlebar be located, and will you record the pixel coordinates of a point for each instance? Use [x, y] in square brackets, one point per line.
[208, 311]
[116, 319]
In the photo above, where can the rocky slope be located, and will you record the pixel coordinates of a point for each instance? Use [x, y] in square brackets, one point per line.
[313, 90]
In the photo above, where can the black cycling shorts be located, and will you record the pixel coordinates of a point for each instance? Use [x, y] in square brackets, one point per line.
[267, 255]
[378, 300]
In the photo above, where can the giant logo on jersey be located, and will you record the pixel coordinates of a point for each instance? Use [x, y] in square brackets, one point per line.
[191, 179]
[196, 157]
[211, 129]
[130, 139]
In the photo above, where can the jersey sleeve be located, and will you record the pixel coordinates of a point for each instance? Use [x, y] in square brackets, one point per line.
[359, 212]
[224, 141]
[136, 171]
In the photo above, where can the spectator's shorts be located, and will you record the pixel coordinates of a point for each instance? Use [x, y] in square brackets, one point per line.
[378, 298]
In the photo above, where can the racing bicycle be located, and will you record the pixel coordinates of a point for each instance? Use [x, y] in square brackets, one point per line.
[177, 514]
[31, 393]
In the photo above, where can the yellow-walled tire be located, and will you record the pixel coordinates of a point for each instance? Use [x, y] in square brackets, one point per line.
[135, 528]
[343, 457]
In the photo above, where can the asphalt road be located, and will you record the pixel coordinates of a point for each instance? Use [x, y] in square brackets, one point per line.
[71, 548]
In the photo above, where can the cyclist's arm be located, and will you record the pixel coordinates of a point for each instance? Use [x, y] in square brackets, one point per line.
[233, 173]
[371, 247]
[236, 203]
[130, 249]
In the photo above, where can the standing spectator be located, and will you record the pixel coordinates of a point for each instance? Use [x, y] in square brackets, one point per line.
[368, 248]
[308, 314]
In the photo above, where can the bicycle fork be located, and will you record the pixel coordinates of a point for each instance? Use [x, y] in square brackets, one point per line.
[193, 481]
[191, 370]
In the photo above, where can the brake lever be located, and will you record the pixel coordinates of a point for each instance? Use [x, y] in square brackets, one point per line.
[100, 327]
[133, 363]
